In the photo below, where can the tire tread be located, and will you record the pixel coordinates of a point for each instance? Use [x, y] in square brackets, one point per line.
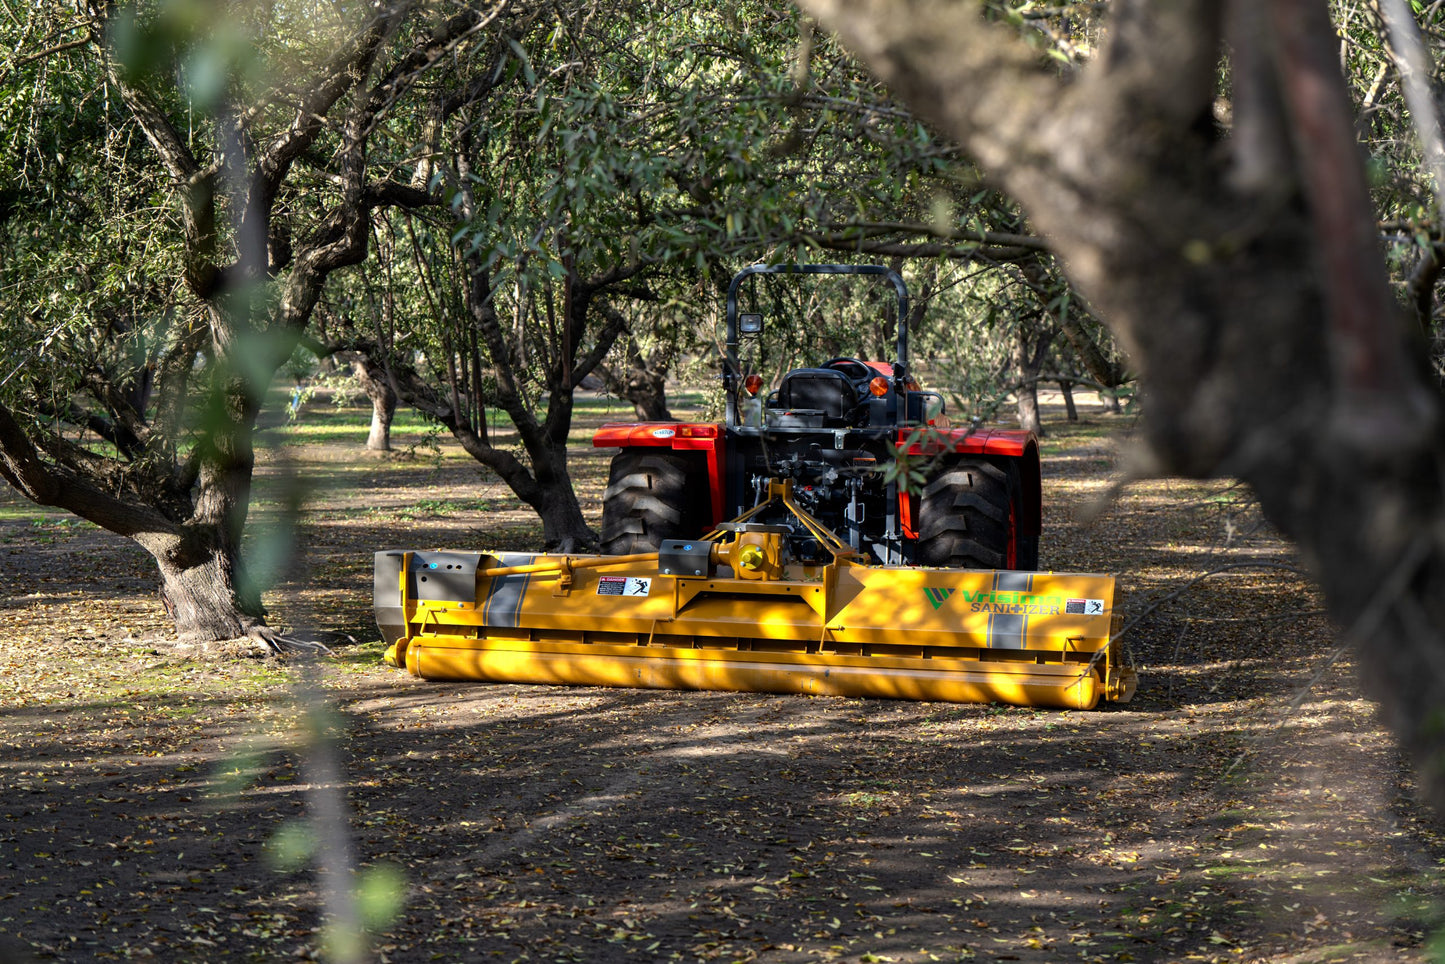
[647, 501]
[964, 516]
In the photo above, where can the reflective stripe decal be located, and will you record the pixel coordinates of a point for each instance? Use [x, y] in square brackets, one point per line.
[503, 608]
[1007, 581]
[1007, 630]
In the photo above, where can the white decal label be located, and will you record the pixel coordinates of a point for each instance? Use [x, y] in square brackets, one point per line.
[663, 432]
[623, 586]
[1084, 607]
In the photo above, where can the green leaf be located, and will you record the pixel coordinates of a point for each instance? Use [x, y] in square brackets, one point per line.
[526, 62]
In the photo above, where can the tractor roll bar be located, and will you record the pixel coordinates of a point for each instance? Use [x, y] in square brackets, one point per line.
[731, 373]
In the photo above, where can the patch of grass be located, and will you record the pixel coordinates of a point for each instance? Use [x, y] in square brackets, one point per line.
[1238, 869]
[447, 506]
[45, 527]
[266, 678]
[1063, 436]
[1255, 815]
[868, 799]
[322, 424]
[60, 523]
[21, 511]
[601, 406]
[360, 659]
[420, 509]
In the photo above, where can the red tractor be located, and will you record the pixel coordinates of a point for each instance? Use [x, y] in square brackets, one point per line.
[832, 430]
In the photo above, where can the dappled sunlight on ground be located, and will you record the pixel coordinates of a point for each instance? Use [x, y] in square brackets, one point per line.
[1211, 819]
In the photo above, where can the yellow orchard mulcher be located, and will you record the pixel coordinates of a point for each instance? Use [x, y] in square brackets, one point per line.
[828, 578]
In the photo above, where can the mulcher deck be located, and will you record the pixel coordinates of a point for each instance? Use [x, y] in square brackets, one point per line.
[747, 623]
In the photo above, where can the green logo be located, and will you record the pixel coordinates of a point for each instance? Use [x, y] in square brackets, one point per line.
[937, 596]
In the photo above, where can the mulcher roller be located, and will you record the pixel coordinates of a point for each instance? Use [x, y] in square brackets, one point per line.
[729, 611]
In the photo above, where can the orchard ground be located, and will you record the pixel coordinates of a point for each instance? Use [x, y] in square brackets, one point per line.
[1245, 807]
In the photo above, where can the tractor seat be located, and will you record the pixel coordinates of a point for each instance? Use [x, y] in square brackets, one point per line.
[821, 389]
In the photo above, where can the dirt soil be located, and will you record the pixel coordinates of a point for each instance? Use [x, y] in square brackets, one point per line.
[1246, 806]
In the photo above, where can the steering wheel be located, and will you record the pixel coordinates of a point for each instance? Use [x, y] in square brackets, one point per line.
[853, 368]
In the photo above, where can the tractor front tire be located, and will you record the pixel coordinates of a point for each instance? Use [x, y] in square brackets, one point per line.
[966, 517]
[648, 500]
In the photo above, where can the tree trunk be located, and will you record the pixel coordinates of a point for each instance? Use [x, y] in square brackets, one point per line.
[197, 557]
[1067, 388]
[1030, 361]
[378, 437]
[546, 487]
[204, 600]
[1104, 370]
[1420, 289]
[563, 527]
[1028, 407]
[650, 402]
[642, 381]
[377, 385]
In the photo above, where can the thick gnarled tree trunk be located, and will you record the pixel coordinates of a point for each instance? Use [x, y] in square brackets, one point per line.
[201, 594]
[193, 538]
[1240, 268]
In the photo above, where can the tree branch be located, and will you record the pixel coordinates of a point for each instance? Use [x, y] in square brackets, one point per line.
[48, 484]
[917, 249]
[197, 185]
[999, 239]
[1379, 403]
[340, 74]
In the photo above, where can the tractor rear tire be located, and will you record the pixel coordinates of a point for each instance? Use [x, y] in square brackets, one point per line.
[966, 518]
[651, 495]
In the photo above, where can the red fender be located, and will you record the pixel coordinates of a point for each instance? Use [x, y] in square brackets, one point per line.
[704, 437]
[993, 442]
